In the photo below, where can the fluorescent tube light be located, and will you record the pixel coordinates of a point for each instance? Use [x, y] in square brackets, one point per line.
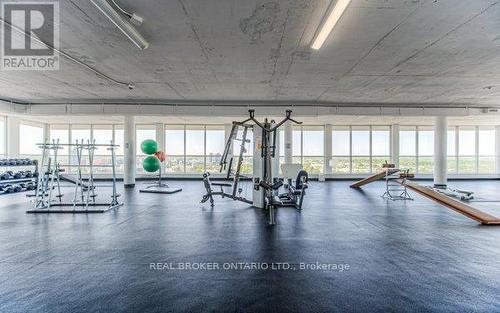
[123, 24]
[329, 23]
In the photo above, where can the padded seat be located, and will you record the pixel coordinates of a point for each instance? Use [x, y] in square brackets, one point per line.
[222, 184]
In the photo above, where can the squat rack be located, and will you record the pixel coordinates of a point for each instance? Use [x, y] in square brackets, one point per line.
[85, 196]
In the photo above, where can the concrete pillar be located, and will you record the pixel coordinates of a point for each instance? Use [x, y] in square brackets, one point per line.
[440, 151]
[129, 151]
[13, 137]
[327, 169]
[288, 142]
[497, 148]
[160, 136]
[395, 145]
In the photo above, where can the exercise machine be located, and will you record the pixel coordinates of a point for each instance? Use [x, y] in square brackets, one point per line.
[265, 186]
[295, 188]
[227, 162]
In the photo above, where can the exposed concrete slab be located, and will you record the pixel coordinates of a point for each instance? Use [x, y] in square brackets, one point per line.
[395, 51]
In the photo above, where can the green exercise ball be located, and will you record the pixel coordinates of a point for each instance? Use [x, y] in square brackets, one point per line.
[149, 146]
[151, 164]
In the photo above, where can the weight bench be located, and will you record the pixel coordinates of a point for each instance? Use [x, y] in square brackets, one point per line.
[296, 190]
[210, 193]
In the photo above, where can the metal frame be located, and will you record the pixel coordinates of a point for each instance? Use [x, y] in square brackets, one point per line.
[394, 189]
[84, 198]
[236, 174]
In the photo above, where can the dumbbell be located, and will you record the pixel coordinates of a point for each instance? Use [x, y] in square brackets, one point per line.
[28, 174]
[4, 176]
[30, 186]
[12, 162]
[8, 189]
[18, 175]
[17, 188]
[3, 162]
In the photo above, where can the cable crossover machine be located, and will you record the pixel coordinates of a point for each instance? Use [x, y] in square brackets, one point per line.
[265, 186]
[49, 196]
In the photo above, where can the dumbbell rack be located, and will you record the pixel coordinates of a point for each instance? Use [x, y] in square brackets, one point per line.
[20, 180]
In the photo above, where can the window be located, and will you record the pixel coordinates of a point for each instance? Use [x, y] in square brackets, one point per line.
[381, 146]
[408, 148]
[61, 133]
[78, 134]
[452, 151]
[30, 134]
[143, 132]
[215, 143]
[202, 150]
[103, 135]
[195, 149]
[467, 150]
[174, 148]
[119, 137]
[360, 142]
[341, 149]
[3, 138]
[425, 150]
[297, 145]
[486, 150]
[313, 149]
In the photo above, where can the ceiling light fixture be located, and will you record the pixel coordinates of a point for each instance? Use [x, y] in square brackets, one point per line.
[335, 11]
[124, 24]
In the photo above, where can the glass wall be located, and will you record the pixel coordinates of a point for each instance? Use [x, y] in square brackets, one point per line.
[142, 132]
[408, 148]
[194, 149]
[308, 147]
[30, 134]
[452, 161]
[215, 142]
[425, 150]
[341, 149]
[60, 132]
[102, 134]
[118, 136]
[381, 146]
[486, 150]
[360, 149]
[3, 137]
[467, 150]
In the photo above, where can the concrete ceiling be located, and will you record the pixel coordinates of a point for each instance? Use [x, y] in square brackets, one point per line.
[418, 52]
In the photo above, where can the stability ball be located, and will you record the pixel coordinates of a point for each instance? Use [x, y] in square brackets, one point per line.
[149, 146]
[151, 164]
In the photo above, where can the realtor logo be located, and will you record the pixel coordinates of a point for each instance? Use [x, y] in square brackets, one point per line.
[30, 35]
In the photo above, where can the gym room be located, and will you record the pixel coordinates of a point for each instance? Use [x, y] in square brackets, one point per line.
[250, 156]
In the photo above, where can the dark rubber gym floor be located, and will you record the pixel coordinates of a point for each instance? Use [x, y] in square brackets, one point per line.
[402, 256]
